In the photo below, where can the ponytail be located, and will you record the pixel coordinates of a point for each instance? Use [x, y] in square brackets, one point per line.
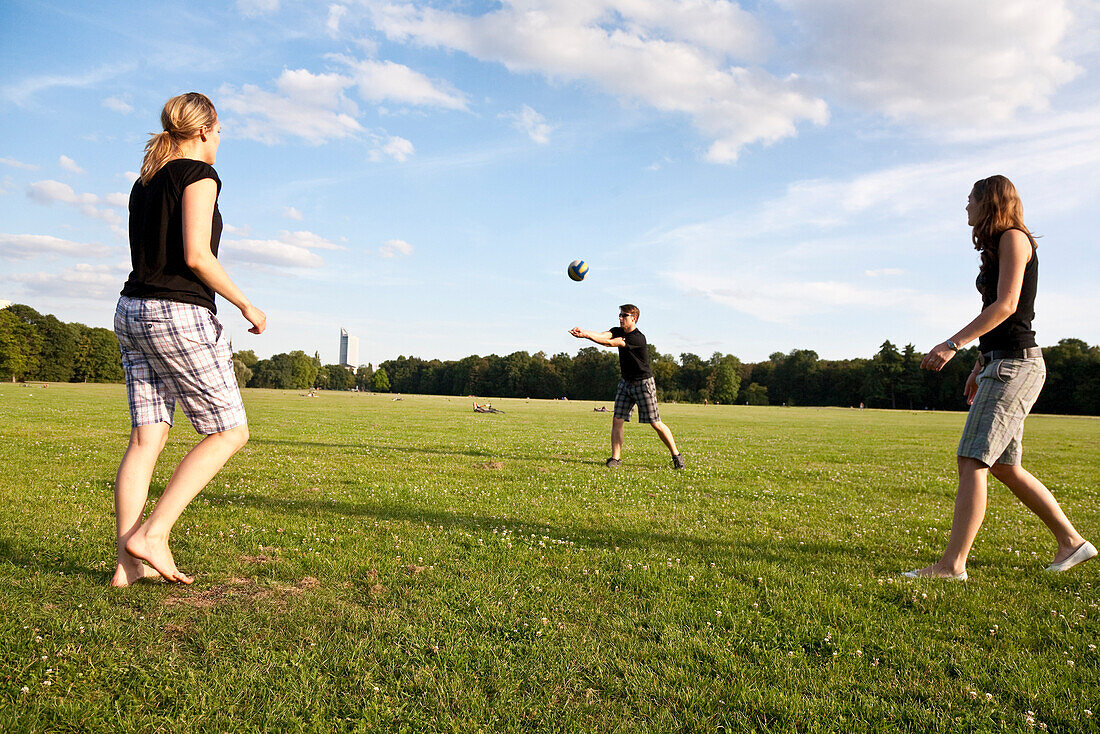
[182, 118]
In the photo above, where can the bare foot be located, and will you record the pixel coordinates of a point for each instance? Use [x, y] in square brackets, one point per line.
[132, 571]
[157, 555]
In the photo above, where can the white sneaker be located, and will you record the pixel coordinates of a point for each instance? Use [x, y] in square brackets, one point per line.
[1086, 551]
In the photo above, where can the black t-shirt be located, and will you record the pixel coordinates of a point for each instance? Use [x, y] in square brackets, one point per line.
[1015, 332]
[156, 236]
[634, 357]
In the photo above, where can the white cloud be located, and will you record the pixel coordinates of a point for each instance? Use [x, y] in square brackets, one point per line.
[252, 8]
[317, 108]
[289, 250]
[49, 192]
[69, 164]
[20, 92]
[291, 213]
[335, 15]
[941, 63]
[532, 123]
[228, 228]
[118, 104]
[883, 272]
[394, 147]
[385, 81]
[783, 301]
[310, 106]
[270, 252]
[28, 246]
[18, 164]
[118, 199]
[308, 240]
[393, 248]
[80, 282]
[675, 58]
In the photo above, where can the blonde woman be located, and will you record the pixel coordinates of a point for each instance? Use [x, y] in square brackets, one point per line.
[173, 347]
[1004, 384]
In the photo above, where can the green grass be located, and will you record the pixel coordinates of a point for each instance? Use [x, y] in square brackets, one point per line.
[365, 564]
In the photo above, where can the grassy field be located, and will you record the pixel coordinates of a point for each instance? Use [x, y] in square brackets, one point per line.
[371, 564]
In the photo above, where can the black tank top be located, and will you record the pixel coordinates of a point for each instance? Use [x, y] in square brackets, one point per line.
[1015, 332]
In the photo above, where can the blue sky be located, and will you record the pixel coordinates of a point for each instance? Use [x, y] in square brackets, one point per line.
[755, 176]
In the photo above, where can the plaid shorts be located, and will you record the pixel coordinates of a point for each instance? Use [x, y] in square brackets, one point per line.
[641, 392]
[172, 352]
[1007, 388]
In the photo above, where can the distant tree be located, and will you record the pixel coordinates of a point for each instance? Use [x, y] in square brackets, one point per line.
[380, 382]
[338, 377]
[241, 371]
[58, 344]
[294, 370]
[20, 346]
[724, 379]
[692, 376]
[886, 370]
[363, 376]
[595, 374]
[755, 394]
[247, 357]
[910, 386]
[97, 357]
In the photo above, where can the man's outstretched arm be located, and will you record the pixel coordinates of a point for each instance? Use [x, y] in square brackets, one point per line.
[603, 338]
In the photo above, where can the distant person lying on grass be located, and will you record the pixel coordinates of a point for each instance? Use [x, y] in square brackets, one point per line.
[173, 347]
[1004, 384]
[487, 408]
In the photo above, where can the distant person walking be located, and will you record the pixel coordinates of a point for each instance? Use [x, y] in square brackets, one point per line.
[636, 386]
[173, 346]
[1004, 384]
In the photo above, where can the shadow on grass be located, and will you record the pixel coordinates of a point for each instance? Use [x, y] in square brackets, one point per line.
[48, 562]
[822, 554]
[374, 448]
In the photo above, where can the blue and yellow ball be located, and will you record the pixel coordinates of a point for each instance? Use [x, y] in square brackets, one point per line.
[577, 270]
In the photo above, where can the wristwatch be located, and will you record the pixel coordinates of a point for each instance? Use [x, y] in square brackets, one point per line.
[952, 345]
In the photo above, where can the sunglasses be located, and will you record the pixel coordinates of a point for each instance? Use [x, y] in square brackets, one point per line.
[624, 316]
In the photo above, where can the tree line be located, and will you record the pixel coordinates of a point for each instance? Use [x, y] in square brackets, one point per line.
[37, 347]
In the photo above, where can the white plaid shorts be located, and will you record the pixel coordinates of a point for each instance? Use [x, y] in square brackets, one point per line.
[173, 352]
[641, 392]
[994, 430]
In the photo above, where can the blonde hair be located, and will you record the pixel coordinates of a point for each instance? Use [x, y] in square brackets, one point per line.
[182, 118]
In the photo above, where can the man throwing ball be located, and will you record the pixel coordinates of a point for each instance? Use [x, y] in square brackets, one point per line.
[636, 386]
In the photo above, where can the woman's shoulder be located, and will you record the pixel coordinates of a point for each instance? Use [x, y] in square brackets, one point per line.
[1016, 242]
[186, 171]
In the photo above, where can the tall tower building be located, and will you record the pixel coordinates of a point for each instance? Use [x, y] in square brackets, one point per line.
[349, 350]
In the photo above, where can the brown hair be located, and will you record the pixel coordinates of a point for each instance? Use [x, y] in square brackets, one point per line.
[998, 209]
[182, 118]
[631, 309]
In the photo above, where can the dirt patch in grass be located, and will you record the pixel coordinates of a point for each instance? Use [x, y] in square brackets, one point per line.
[239, 590]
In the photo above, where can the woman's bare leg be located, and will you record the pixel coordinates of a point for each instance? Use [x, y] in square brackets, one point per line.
[1037, 498]
[150, 541]
[969, 513]
[131, 492]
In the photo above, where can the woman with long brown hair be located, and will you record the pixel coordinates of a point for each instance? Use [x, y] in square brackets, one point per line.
[1004, 384]
[173, 346]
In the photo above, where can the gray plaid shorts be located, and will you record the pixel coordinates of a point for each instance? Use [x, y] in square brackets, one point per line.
[994, 430]
[172, 352]
[640, 392]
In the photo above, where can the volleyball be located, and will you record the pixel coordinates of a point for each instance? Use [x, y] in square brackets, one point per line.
[578, 269]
